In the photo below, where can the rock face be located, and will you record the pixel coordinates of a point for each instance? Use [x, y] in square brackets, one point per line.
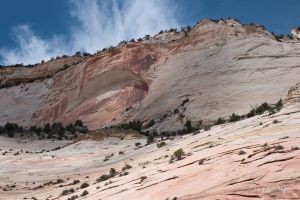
[217, 68]
[293, 95]
[250, 159]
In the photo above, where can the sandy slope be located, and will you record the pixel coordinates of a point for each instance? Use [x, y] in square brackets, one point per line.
[262, 172]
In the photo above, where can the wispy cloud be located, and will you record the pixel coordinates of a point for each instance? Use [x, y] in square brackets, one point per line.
[97, 24]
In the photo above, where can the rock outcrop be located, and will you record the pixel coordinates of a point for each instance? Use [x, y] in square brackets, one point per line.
[293, 95]
[216, 68]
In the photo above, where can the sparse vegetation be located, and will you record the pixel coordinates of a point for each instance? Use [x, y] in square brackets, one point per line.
[143, 178]
[84, 185]
[178, 154]
[112, 172]
[127, 166]
[150, 124]
[64, 192]
[137, 144]
[84, 193]
[104, 177]
[201, 161]
[207, 128]
[150, 139]
[219, 121]
[241, 152]
[279, 147]
[73, 197]
[234, 117]
[161, 144]
[54, 131]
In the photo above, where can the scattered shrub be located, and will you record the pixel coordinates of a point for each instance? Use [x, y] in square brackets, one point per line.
[112, 172]
[220, 120]
[64, 192]
[234, 117]
[137, 144]
[201, 161]
[279, 147]
[59, 181]
[142, 178]
[127, 166]
[178, 154]
[104, 177]
[84, 193]
[241, 152]
[84, 185]
[161, 144]
[73, 197]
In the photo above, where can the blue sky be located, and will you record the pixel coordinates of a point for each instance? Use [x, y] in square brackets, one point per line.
[33, 30]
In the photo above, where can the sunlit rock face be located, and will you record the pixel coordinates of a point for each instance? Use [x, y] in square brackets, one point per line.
[221, 67]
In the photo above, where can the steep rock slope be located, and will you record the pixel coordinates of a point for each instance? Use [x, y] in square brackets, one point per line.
[220, 67]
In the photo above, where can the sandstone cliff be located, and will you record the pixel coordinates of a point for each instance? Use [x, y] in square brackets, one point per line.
[217, 68]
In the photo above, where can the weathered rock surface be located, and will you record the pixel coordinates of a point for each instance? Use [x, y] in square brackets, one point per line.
[221, 67]
[250, 159]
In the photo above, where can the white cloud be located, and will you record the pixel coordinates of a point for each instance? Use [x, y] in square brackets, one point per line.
[98, 24]
[31, 48]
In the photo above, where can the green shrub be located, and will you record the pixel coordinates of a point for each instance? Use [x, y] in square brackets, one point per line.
[178, 154]
[112, 172]
[84, 185]
[59, 181]
[104, 177]
[220, 120]
[65, 192]
[137, 144]
[73, 197]
[241, 152]
[234, 117]
[84, 193]
[161, 144]
[127, 166]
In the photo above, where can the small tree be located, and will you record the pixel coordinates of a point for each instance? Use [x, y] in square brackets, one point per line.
[220, 120]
